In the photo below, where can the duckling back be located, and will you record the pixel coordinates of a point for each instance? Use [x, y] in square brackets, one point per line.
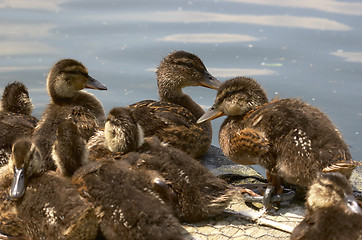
[15, 117]
[288, 137]
[304, 141]
[173, 125]
[131, 210]
[199, 194]
[46, 203]
[16, 99]
[52, 207]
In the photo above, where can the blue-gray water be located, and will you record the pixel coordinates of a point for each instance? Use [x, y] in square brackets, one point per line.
[309, 49]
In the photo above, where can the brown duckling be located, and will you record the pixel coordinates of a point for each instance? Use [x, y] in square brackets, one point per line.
[16, 99]
[173, 118]
[288, 137]
[199, 194]
[47, 204]
[332, 211]
[86, 122]
[10, 225]
[130, 207]
[65, 81]
[15, 117]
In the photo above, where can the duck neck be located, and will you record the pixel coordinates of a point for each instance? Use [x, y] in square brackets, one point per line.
[173, 93]
[177, 96]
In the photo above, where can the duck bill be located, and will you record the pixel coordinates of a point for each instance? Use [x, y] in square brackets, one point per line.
[18, 184]
[210, 81]
[210, 114]
[94, 84]
[352, 204]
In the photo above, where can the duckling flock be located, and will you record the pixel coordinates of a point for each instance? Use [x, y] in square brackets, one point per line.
[135, 174]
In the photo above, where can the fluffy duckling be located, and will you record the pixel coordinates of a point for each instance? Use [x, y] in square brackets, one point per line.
[15, 117]
[131, 209]
[287, 137]
[10, 225]
[199, 194]
[86, 122]
[332, 211]
[16, 99]
[173, 119]
[47, 204]
[65, 81]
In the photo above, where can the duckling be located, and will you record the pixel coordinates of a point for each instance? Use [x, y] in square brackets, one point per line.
[173, 118]
[332, 211]
[131, 209]
[10, 224]
[47, 204]
[16, 99]
[123, 135]
[15, 117]
[288, 137]
[199, 194]
[86, 122]
[65, 81]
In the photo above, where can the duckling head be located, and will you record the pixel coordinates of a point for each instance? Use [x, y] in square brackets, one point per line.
[25, 161]
[69, 149]
[67, 77]
[332, 189]
[181, 69]
[121, 131]
[16, 99]
[236, 97]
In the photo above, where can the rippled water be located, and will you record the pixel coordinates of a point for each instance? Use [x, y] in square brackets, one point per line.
[309, 49]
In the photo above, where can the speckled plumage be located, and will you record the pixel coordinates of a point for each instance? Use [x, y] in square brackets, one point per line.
[85, 121]
[130, 208]
[198, 193]
[16, 99]
[288, 137]
[10, 224]
[173, 119]
[65, 81]
[332, 212]
[51, 206]
[15, 117]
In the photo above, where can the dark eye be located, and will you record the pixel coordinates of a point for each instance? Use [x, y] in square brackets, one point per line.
[228, 93]
[190, 64]
[73, 72]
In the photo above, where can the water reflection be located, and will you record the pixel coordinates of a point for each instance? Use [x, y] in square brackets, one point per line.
[232, 72]
[21, 30]
[280, 43]
[24, 48]
[208, 38]
[349, 56]
[315, 23]
[331, 6]
[22, 68]
[33, 4]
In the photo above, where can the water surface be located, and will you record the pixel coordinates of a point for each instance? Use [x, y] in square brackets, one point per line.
[308, 49]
